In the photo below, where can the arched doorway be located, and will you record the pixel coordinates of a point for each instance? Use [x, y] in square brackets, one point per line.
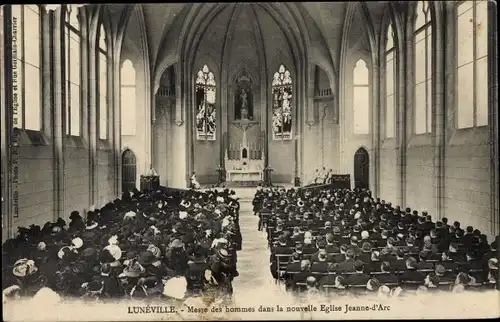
[361, 169]
[129, 169]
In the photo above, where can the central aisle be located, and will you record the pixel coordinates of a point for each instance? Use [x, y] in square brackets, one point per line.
[253, 261]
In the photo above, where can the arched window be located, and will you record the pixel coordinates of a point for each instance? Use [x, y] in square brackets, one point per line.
[472, 63]
[361, 98]
[26, 62]
[390, 85]
[205, 104]
[72, 57]
[282, 104]
[128, 100]
[422, 41]
[103, 85]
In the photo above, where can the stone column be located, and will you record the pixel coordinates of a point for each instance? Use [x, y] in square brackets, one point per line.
[117, 129]
[493, 116]
[439, 116]
[84, 77]
[401, 48]
[58, 114]
[93, 119]
[376, 137]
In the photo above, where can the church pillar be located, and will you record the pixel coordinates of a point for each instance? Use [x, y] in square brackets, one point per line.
[376, 137]
[299, 116]
[59, 93]
[84, 76]
[438, 101]
[116, 121]
[493, 117]
[184, 121]
[113, 120]
[307, 118]
[401, 119]
[93, 119]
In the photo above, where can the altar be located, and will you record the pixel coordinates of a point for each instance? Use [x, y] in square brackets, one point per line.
[244, 175]
[246, 166]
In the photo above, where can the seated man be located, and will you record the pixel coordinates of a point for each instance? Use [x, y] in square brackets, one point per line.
[348, 264]
[493, 276]
[399, 263]
[311, 286]
[429, 246]
[366, 252]
[423, 264]
[374, 264]
[282, 248]
[387, 277]
[359, 277]
[448, 263]
[455, 253]
[443, 275]
[331, 248]
[320, 256]
[462, 281]
[340, 286]
[320, 268]
[472, 265]
[411, 274]
[432, 283]
[305, 271]
[338, 258]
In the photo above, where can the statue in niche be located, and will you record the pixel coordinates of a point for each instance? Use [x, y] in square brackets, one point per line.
[243, 98]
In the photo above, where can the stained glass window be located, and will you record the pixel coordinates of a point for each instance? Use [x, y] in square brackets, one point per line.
[72, 52]
[472, 63]
[282, 104]
[103, 85]
[205, 104]
[389, 84]
[26, 62]
[128, 98]
[361, 98]
[422, 42]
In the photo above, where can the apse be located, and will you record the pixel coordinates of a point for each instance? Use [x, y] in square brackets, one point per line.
[242, 47]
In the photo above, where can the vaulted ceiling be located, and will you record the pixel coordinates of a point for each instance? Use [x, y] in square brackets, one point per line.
[161, 24]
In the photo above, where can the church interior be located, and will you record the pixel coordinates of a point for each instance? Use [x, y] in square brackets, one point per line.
[399, 96]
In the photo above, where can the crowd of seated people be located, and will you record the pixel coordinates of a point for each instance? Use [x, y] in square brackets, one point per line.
[170, 244]
[342, 242]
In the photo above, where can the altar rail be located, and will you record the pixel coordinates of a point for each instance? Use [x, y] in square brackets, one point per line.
[337, 181]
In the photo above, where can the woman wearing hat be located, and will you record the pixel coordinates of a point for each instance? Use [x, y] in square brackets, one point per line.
[28, 277]
[223, 272]
[130, 276]
[195, 274]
